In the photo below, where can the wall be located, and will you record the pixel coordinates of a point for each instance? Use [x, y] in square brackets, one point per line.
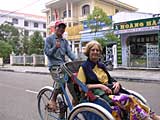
[108, 8]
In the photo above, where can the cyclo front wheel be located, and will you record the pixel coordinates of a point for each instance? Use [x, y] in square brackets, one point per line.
[44, 96]
[89, 111]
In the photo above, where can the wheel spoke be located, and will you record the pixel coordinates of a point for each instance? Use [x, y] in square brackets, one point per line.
[44, 112]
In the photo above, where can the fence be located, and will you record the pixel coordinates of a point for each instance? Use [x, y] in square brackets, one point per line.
[34, 60]
[1, 61]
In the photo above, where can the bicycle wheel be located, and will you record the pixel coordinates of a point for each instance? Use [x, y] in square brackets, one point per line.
[89, 111]
[44, 112]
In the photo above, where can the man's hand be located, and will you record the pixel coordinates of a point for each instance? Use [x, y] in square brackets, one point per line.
[58, 43]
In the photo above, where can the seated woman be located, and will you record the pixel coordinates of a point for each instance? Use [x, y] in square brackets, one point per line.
[93, 73]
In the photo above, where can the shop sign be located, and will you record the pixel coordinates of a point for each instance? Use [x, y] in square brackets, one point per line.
[136, 30]
[94, 23]
[137, 25]
[119, 52]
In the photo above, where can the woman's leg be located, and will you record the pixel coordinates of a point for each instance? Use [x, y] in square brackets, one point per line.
[132, 105]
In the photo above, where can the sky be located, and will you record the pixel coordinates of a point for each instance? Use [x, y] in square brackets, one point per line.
[36, 6]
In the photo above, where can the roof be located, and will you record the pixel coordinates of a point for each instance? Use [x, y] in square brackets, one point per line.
[6, 13]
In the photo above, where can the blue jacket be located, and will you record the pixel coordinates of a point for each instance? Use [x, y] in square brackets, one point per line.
[56, 56]
[91, 76]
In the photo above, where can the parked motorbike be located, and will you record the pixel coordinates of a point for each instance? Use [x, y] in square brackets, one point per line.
[109, 65]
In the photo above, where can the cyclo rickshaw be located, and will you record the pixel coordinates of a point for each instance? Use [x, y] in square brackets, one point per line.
[89, 106]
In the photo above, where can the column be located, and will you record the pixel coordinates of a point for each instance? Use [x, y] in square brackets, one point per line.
[34, 59]
[24, 59]
[72, 13]
[159, 40]
[67, 11]
[11, 58]
[73, 47]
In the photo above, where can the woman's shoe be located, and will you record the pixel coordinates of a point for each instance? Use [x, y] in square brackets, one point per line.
[148, 118]
[155, 117]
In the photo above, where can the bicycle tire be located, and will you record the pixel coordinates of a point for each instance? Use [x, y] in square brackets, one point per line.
[43, 98]
[89, 111]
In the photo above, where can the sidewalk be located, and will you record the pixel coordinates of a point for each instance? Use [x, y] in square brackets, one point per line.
[140, 75]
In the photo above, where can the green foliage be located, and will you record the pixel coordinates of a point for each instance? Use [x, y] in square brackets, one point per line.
[111, 37]
[36, 43]
[108, 39]
[10, 34]
[12, 39]
[25, 45]
[5, 49]
[102, 41]
[98, 15]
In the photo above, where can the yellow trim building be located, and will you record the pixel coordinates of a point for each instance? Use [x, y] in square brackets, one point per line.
[74, 12]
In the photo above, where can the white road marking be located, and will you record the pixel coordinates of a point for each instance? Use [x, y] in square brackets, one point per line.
[31, 91]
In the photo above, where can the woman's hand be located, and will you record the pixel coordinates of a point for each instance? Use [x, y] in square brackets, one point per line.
[116, 87]
[100, 86]
[106, 89]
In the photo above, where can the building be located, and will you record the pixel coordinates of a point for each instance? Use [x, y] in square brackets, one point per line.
[26, 23]
[139, 41]
[74, 12]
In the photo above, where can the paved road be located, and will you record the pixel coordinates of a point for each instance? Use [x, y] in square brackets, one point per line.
[18, 95]
[19, 90]
[127, 74]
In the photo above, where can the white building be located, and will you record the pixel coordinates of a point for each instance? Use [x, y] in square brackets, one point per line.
[28, 23]
[128, 16]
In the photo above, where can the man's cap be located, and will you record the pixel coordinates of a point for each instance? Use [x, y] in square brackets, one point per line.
[58, 23]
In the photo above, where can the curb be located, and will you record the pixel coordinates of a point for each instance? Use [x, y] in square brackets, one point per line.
[115, 77]
[9, 70]
[32, 72]
[136, 80]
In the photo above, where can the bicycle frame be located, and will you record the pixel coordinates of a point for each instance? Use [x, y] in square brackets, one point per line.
[82, 86]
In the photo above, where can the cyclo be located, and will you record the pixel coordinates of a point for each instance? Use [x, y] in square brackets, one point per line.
[89, 107]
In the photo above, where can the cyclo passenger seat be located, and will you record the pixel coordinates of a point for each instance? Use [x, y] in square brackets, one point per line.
[71, 68]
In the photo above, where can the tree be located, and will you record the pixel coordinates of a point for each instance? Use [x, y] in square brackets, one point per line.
[94, 23]
[5, 50]
[36, 43]
[10, 34]
[97, 17]
[25, 45]
[109, 38]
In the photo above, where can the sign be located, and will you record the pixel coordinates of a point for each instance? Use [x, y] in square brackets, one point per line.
[136, 30]
[93, 22]
[119, 51]
[137, 25]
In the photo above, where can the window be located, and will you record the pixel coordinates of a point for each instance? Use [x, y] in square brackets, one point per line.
[85, 10]
[36, 25]
[44, 25]
[65, 14]
[44, 34]
[69, 24]
[26, 33]
[25, 23]
[116, 10]
[15, 21]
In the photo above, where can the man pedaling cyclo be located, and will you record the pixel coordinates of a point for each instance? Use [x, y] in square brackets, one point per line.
[56, 47]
